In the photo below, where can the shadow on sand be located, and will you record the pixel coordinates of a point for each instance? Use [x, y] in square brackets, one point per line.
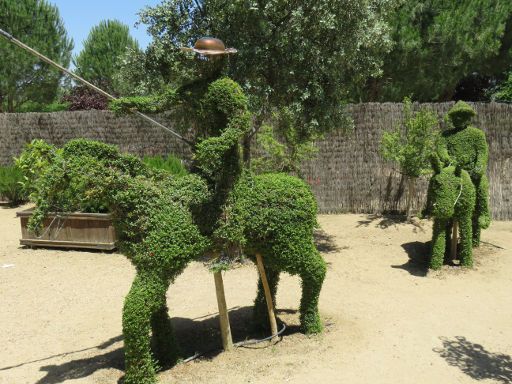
[475, 361]
[324, 242]
[382, 221]
[418, 253]
[194, 335]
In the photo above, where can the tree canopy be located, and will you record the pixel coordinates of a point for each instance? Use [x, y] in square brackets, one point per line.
[99, 59]
[440, 45]
[23, 77]
[300, 60]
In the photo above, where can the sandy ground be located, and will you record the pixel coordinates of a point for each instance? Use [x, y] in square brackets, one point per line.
[387, 321]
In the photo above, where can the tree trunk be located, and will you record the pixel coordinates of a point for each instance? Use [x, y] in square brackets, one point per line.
[411, 190]
[10, 104]
[247, 150]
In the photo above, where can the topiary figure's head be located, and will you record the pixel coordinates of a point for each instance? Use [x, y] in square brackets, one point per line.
[461, 114]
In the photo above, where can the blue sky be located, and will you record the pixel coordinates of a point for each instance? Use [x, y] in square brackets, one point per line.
[80, 16]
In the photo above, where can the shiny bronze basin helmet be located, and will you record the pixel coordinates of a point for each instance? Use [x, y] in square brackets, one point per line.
[210, 46]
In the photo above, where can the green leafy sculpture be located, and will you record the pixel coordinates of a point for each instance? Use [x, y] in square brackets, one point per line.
[451, 196]
[465, 146]
[271, 214]
[164, 222]
[156, 233]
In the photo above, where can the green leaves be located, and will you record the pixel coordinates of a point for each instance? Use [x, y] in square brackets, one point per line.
[99, 59]
[411, 146]
[438, 43]
[306, 57]
[23, 77]
[11, 185]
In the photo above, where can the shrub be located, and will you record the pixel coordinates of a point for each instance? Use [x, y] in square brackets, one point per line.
[33, 162]
[82, 98]
[412, 146]
[11, 187]
[171, 164]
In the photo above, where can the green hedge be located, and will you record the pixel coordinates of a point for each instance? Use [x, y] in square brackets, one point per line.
[11, 185]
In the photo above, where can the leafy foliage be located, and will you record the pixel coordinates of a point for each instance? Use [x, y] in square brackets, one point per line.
[82, 98]
[23, 77]
[437, 44]
[451, 197]
[466, 146]
[279, 45]
[37, 107]
[33, 162]
[164, 222]
[99, 58]
[156, 231]
[148, 104]
[272, 214]
[504, 91]
[171, 164]
[11, 187]
[412, 145]
[282, 151]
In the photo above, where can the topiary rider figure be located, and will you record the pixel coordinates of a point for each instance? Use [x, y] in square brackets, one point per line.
[465, 146]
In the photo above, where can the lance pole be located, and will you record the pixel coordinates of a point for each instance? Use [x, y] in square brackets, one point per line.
[15, 41]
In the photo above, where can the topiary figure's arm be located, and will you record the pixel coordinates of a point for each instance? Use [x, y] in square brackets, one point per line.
[148, 104]
[210, 153]
[442, 151]
[482, 155]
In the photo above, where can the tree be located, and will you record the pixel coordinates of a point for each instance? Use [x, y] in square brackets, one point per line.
[98, 60]
[412, 146]
[297, 59]
[81, 98]
[440, 45]
[23, 77]
[504, 91]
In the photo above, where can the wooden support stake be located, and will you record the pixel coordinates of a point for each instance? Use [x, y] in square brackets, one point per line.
[225, 329]
[455, 232]
[268, 295]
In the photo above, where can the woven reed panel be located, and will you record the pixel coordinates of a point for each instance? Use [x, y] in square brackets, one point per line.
[348, 174]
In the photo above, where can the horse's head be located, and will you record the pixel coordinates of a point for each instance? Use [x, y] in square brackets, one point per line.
[445, 189]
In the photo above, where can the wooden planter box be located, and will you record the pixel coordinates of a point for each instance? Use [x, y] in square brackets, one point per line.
[74, 230]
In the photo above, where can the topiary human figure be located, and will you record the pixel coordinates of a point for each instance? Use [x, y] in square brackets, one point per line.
[451, 196]
[156, 232]
[272, 214]
[466, 146]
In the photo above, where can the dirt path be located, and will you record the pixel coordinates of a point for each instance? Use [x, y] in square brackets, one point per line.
[386, 322]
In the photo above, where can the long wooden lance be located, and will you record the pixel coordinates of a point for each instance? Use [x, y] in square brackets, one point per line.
[15, 41]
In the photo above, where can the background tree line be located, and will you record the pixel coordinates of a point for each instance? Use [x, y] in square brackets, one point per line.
[299, 61]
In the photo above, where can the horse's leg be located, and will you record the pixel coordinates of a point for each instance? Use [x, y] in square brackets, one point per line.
[438, 243]
[164, 343]
[448, 240]
[141, 303]
[466, 252]
[481, 216]
[312, 273]
[260, 312]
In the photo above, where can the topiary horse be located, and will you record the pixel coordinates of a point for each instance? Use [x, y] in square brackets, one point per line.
[156, 233]
[272, 214]
[451, 197]
[164, 223]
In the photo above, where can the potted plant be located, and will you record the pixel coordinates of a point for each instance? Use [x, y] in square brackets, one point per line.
[87, 225]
